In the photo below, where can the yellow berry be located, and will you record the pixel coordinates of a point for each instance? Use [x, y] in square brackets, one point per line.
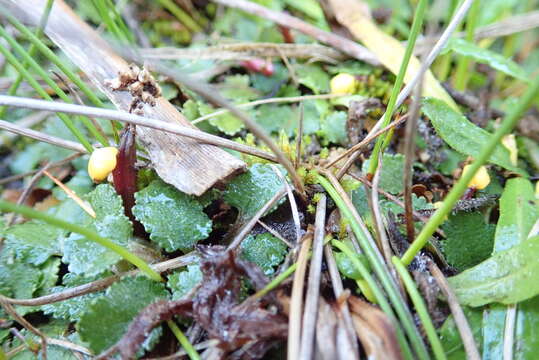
[481, 178]
[537, 190]
[343, 84]
[511, 144]
[102, 162]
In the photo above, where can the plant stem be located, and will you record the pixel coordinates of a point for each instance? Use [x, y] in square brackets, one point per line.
[31, 51]
[183, 340]
[421, 309]
[462, 74]
[380, 271]
[181, 15]
[89, 234]
[460, 187]
[277, 281]
[416, 28]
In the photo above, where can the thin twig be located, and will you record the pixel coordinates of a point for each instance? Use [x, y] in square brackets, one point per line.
[53, 165]
[409, 151]
[313, 288]
[26, 324]
[40, 136]
[100, 284]
[26, 122]
[275, 233]
[246, 51]
[466, 333]
[363, 143]
[27, 189]
[292, 202]
[338, 42]
[131, 119]
[269, 101]
[246, 229]
[338, 289]
[378, 219]
[406, 91]
[296, 299]
[299, 135]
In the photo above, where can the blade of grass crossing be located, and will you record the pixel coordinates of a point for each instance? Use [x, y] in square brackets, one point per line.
[43, 74]
[421, 309]
[31, 51]
[378, 294]
[460, 187]
[52, 57]
[416, 28]
[381, 272]
[39, 89]
[89, 234]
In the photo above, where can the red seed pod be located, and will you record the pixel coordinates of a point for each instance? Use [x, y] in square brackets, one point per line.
[125, 174]
[264, 67]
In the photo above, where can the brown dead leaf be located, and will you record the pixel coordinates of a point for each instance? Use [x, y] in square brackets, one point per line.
[332, 340]
[375, 331]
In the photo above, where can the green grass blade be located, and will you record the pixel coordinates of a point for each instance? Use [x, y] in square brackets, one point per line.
[416, 28]
[460, 187]
[183, 340]
[89, 234]
[381, 272]
[422, 312]
[39, 89]
[45, 76]
[31, 51]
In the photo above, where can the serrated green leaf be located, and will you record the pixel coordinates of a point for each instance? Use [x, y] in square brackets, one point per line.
[333, 128]
[34, 242]
[273, 118]
[313, 77]
[507, 277]
[392, 169]
[87, 257]
[227, 123]
[250, 191]
[236, 88]
[173, 219]
[265, 250]
[518, 213]
[181, 282]
[461, 134]
[468, 241]
[108, 317]
[71, 309]
[485, 56]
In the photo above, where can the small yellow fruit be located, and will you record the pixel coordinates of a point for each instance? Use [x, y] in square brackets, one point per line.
[102, 162]
[511, 144]
[537, 190]
[481, 178]
[343, 84]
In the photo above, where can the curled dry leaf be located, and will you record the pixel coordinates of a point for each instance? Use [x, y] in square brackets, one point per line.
[374, 330]
[244, 330]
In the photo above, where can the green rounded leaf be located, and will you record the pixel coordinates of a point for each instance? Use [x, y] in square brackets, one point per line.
[174, 220]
